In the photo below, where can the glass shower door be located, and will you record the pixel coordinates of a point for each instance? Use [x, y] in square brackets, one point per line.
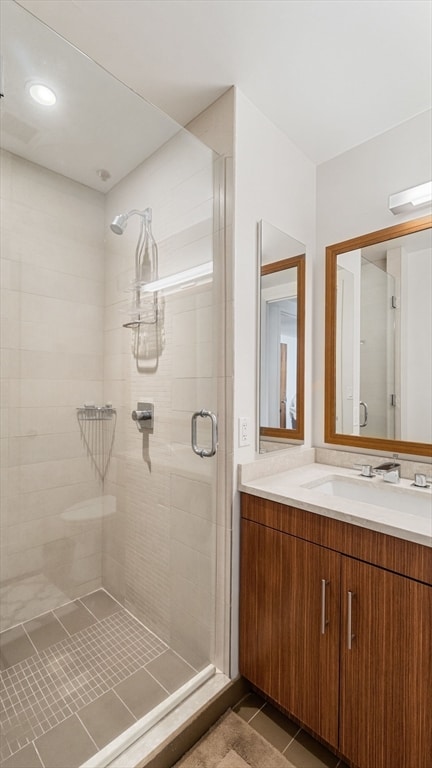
[108, 533]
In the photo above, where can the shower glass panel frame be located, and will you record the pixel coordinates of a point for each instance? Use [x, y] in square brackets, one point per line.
[107, 530]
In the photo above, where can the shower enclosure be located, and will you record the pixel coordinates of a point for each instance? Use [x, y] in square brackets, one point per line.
[111, 574]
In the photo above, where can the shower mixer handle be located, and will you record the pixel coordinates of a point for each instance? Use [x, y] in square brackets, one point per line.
[143, 416]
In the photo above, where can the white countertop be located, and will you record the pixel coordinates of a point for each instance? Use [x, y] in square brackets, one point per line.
[287, 488]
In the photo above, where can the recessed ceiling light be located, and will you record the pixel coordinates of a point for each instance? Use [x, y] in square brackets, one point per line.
[42, 94]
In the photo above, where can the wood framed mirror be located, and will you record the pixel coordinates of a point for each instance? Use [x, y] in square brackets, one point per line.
[281, 338]
[378, 340]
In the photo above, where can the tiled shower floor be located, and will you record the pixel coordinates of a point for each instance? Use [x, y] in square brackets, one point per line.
[73, 679]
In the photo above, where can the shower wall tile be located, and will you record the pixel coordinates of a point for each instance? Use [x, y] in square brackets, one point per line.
[51, 362]
[191, 530]
[10, 304]
[193, 360]
[4, 453]
[4, 423]
[47, 421]
[187, 393]
[31, 449]
[31, 279]
[9, 333]
[77, 258]
[49, 474]
[46, 530]
[45, 309]
[39, 393]
[117, 341]
[193, 327]
[114, 366]
[191, 638]
[56, 226]
[192, 496]
[164, 524]
[10, 365]
[53, 338]
[68, 500]
[43, 365]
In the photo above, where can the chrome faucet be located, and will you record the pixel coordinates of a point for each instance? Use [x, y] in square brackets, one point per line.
[392, 476]
[390, 471]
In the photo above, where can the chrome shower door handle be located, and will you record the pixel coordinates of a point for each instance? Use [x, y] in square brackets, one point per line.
[366, 413]
[204, 453]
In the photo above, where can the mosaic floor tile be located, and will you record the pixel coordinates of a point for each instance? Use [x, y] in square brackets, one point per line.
[47, 688]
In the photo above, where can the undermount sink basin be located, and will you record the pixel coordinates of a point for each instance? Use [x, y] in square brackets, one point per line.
[393, 497]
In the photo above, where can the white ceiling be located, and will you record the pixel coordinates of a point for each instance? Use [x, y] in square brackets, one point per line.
[330, 73]
[96, 125]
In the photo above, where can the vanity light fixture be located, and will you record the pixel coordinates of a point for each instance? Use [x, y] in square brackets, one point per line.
[411, 199]
[42, 94]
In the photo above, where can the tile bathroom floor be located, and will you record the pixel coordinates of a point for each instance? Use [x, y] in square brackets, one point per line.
[300, 749]
[73, 679]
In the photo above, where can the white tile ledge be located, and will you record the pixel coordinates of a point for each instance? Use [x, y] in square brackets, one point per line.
[286, 487]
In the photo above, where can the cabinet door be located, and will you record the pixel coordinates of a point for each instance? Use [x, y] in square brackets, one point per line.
[310, 610]
[386, 676]
[260, 585]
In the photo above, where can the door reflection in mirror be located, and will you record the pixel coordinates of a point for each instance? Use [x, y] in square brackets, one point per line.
[383, 299]
[379, 339]
[366, 337]
[279, 349]
[281, 338]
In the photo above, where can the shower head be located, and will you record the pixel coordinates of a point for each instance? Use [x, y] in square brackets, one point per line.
[119, 222]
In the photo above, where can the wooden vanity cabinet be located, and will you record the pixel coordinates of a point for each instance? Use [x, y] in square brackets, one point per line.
[364, 684]
[261, 582]
[386, 678]
[309, 648]
[283, 650]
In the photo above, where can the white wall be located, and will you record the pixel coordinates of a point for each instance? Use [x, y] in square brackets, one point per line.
[274, 181]
[352, 199]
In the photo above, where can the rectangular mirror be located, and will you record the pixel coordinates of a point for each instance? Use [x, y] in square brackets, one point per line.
[281, 338]
[379, 340]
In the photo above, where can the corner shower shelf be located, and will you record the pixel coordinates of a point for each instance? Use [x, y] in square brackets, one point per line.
[95, 412]
[98, 434]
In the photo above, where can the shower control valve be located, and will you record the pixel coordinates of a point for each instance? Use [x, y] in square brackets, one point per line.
[143, 416]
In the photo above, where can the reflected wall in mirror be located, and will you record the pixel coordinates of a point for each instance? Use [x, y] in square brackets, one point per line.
[282, 311]
[379, 340]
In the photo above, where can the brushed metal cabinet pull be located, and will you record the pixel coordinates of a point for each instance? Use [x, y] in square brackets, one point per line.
[324, 622]
[350, 635]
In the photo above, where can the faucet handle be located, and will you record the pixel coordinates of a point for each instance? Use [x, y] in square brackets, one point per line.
[421, 481]
[365, 469]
